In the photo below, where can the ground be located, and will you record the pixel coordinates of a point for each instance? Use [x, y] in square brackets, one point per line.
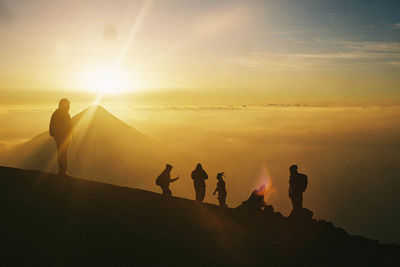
[50, 220]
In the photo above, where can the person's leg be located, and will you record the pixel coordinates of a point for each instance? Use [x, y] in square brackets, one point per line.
[224, 200]
[202, 194]
[65, 156]
[196, 189]
[300, 200]
[60, 156]
[293, 199]
[297, 201]
[169, 193]
[166, 192]
[221, 200]
[163, 190]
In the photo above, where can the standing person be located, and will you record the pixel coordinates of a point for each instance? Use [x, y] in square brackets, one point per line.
[297, 185]
[221, 190]
[164, 179]
[199, 176]
[60, 129]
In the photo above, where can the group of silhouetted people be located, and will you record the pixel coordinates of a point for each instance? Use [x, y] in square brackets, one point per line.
[61, 129]
[199, 176]
[297, 186]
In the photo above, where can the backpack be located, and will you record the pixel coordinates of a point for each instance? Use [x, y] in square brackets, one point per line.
[158, 180]
[304, 182]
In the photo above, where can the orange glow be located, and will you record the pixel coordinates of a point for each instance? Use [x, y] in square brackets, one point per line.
[264, 182]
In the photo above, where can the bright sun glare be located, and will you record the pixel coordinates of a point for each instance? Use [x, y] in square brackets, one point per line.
[105, 81]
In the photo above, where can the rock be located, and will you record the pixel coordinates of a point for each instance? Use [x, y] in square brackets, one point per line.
[269, 210]
[255, 201]
[302, 215]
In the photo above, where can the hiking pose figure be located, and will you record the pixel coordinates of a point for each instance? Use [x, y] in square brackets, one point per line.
[164, 179]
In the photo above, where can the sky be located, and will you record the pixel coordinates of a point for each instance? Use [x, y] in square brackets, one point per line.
[260, 51]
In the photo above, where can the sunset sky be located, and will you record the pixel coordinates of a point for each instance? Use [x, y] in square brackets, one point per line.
[264, 51]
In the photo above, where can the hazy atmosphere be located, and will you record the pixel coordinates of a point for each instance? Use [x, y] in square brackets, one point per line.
[244, 87]
[349, 153]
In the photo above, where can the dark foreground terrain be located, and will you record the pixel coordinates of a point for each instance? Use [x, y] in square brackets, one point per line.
[47, 220]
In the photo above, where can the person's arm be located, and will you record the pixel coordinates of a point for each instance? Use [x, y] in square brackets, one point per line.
[175, 179]
[70, 126]
[205, 175]
[51, 125]
[306, 178]
[216, 189]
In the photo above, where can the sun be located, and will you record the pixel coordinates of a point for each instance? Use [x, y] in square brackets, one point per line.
[104, 81]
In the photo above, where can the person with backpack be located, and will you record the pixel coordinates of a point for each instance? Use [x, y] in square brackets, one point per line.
[164, 179]
[221, 190]
[199, 176]
[60, 129]
[297, 185]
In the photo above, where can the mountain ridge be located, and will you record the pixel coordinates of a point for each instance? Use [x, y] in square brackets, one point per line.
[69, 221]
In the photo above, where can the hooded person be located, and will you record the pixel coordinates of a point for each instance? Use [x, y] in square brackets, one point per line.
[60, 129]
[199, 176]
[164, 179]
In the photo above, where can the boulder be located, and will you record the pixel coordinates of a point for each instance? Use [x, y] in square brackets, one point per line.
[301, 215]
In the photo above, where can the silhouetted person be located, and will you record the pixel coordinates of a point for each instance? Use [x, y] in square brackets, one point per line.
[256, 200]
[199, 176]
[60, 129]
[221, 190]
[164, 179]
[297, 185]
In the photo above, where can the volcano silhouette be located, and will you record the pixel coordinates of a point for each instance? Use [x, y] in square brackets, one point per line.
[103, 148]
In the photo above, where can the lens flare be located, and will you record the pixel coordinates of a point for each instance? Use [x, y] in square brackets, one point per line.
[264, 182]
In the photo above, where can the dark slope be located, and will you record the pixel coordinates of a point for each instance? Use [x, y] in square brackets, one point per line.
[47, 220]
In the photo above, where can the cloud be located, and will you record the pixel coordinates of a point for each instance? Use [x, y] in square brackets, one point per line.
[356, 49]
[341, 52]
[379, 47]
[396, 25]
[222, 20]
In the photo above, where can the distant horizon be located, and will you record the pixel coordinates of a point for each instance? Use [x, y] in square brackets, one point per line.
[186, 97]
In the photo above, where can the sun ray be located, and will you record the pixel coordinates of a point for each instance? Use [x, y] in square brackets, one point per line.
[103, 82]
[133, 31]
